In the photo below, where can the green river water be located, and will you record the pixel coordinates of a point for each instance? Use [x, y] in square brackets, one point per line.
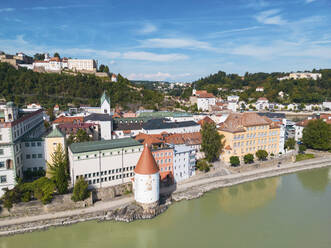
[289, 211]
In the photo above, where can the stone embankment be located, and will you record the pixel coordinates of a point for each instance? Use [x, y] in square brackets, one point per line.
[200, 187]
[125, 210]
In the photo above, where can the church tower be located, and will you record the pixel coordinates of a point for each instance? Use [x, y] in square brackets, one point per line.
[105, 103]
[147, 180]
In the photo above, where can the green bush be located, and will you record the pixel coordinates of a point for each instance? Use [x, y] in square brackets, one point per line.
[261, 154]
[302, 148]
[249, 158]
[234, 161]
[80, 190]
[203, 165]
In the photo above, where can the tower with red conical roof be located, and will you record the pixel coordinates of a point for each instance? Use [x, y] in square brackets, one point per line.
[147, 180]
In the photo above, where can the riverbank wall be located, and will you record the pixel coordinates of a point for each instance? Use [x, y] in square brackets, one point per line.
[186, 191]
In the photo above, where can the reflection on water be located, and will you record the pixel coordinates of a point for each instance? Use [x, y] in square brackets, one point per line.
[315, 180]
[242, 198]
[246, 215]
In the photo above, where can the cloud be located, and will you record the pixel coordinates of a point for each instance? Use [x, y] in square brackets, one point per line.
[175, 43]
[6, 9]
[310, 1]
[55, 7]
[154, 56]
[147, 29]
[159, 76]
[236, 30]
[256, 4]
[270, 17]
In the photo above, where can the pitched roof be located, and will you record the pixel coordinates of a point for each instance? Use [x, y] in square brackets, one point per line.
[149, 139]
[237, 121]
[184, 138]
[104, 97]
[103, 145]
[55, 133]
[262, 99]
[146, 164]
[69, 119]
[205, 120]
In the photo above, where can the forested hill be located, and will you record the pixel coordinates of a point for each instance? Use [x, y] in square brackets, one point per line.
[303, 90]
[25, 86]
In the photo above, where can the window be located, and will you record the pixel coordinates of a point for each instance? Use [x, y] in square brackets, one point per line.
[1, 151]
[40, 155]
[28, 156]
[27, 144]
[2, 164]
[38, 143]
[3, 179]
[33, 144]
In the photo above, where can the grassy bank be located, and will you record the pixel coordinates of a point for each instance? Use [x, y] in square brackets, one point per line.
[301, 157]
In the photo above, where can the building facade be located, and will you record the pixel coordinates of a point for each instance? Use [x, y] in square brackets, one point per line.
[104, 163]
[184, 162]
[247, 133]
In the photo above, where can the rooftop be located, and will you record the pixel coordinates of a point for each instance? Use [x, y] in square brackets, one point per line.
[98, 117]
[146, 164]
[103, 145]
[162, 124]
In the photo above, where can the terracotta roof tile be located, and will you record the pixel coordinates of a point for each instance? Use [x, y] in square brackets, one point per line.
[146, 164]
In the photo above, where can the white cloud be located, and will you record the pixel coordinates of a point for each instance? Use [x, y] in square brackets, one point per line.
[236, 30]
[159, 76]
[270, 17]
[310, 1]
[154, 56]
[175, 43]
[6, 9]
[147, 29]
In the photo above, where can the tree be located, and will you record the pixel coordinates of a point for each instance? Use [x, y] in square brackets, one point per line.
[106, 69]
[261, 154]
[212, 143]
[317, 135]
[101, 68]
[58, 169]
[302, 148]
[234, 161]
[56, 54]
[290, 144]
[203, 165]
[39, 56]
[249, 158]
[80, 192]
[80, 136]
[43, 189]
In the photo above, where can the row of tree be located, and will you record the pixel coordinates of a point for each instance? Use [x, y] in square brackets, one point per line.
[25, 86]
[300, 91]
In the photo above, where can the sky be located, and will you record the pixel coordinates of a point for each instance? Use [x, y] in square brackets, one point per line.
[174, 40]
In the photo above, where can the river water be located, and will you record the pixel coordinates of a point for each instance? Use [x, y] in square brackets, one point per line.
[288, 211]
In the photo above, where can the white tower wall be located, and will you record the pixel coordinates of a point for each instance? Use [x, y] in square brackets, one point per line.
[147, 188]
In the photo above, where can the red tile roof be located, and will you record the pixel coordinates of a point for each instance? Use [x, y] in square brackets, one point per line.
[205, 120]
[69, 119]
[146, 164]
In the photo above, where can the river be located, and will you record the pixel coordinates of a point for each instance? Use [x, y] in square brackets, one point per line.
[288, 211]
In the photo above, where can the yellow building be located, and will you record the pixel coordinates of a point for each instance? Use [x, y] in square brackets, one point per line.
[51, 141]
[247, 133]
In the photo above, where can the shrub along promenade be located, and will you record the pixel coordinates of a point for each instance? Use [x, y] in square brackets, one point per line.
[189, 189]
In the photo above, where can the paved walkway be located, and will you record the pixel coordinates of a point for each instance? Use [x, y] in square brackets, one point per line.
[180, 187]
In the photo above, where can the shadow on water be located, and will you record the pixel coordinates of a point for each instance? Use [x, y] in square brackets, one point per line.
[315, 180]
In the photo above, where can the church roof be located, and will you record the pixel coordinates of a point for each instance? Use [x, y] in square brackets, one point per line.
[146, 164]
[104, 97]
[55, 133]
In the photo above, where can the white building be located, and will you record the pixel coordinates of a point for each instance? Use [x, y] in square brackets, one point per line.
[232, 106]
[184, 162]
[233, 98]
[104, 163]
[82, 64]
[146, 180]
[302, 75]
[262, 103]
[326, 105]
[259, 89]
[15, 127]
[205, 101]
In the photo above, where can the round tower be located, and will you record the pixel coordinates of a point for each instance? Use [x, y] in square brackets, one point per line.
[147, 180]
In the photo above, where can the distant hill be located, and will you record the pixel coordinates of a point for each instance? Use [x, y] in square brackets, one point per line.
[301, 91]
[25, 86]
